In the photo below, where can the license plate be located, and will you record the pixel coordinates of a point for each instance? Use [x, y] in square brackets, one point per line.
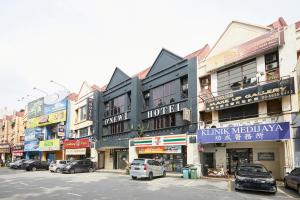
[136, 168]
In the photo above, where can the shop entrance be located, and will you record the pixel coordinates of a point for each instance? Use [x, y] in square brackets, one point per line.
[101, 160]
[208, 160]
[235, 157]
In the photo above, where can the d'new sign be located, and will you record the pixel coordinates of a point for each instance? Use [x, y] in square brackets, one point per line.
[273, 90]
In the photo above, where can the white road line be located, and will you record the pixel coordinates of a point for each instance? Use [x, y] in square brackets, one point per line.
[23, 183]
[44, 188]
[283, 192]
[74, 194]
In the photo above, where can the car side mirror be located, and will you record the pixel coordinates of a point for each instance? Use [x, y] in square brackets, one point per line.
[288, 173]
[270, 172]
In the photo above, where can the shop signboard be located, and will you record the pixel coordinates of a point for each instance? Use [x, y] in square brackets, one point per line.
[173, 108]
[168, 140]
[35, 108]
[55, 102]
[52, 118]
[81, 151]
[61, 130]
[249, 133]
[33, 134]
[258, 93]
[116, 118]
[77, 144]
[159, 150]
[265, 156]
[4, 148]
[18, 149]
[31, 145]
[90, 106]
[246, 50]
[50, 145]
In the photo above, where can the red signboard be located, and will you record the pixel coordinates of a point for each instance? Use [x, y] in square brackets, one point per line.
[76, 144]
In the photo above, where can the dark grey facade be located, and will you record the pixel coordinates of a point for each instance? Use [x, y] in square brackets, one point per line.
[133, 107]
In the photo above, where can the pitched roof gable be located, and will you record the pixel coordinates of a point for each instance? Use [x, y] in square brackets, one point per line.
[164, 60]
[118, 77]
[85, 89]
[245, 31]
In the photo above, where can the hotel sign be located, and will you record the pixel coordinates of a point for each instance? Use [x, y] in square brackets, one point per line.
[250, 95]
[163, 110]
[250, 133]
[116, 118]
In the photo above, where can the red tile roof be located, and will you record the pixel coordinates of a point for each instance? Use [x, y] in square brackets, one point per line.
[280, 23]
[142, 74]
[297, 24]
[96, 87]
[73, 96]
[20, 114]
[201, 53]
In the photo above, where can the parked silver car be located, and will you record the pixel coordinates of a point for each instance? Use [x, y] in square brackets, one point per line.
[292, 180]
[56, 165]
[146, 168]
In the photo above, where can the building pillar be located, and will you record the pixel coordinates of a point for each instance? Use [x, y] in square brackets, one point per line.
[132, 152]
[193, 155]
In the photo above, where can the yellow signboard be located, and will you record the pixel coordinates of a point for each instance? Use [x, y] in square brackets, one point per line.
[52, 118]
[50, 145]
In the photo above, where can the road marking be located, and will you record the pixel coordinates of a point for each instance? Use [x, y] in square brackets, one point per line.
[23, 183]
[286, 194]
[74, 194]
[44, 188]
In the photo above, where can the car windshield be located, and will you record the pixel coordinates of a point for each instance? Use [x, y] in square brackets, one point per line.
[252, 169]
[138, 162]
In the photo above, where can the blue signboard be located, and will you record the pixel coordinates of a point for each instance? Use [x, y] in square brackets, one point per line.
[31, 145]
[33, 134]
[257, 132]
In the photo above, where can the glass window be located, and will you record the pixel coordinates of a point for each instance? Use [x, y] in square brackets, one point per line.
[116, 106]
[164, 94]
[240, 112]
[83, 113]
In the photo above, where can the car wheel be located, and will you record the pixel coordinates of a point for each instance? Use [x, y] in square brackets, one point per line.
[72, 171]
[57, 170]
[285, 184]
[164, 174]
[150, 177]
[133, 177]
[91, 170]
[33, 169]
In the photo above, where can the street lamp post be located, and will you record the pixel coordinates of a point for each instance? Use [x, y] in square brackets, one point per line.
[61, 85]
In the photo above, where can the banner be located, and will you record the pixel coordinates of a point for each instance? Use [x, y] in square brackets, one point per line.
[52, 118]
[76, 144]
[273, 90]
[168, 140]
[159, 150]
[35, 108]
[76, 151]
[250, 133]
[50, 145]
[33, 134]
[31, 145]
[4, 148]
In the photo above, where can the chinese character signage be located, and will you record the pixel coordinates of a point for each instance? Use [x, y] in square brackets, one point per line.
[257, 132]
[273, 90]
[90, 105]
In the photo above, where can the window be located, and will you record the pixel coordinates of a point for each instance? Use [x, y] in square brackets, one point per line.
[272, 66]
[274, 107]
[81, 114]
[117, 127]
[165, 121]
[146, 100]
[83, 132]
[115, 106]
[206, 117]
[184, 87]
[240, 112]
[237, 77]
[164, 94]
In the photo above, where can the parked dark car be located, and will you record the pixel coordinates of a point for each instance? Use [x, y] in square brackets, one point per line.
[292, 180]
[17, 164]
[33, 165]
[254, 177]
[78, 166]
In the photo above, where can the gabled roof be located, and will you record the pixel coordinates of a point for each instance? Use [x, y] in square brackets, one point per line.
[278, 24]
[227, 29]
[164, 60]
[200, 54]
[84, 87]
[73, 96]
[118, 77]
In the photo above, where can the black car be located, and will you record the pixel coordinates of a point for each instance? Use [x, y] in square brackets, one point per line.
[33, 165]
[254, 177]
[78, 166]
[17, 164]
[292, 180]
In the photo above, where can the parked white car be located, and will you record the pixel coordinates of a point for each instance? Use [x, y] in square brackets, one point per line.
[146, 168]
[56, 165]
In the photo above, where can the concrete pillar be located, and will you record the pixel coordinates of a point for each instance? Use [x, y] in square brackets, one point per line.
[132, 152]
[193, 155]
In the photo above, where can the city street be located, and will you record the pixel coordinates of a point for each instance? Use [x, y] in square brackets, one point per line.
[18, 184]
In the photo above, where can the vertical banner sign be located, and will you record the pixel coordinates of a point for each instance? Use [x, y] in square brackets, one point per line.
[90, 106]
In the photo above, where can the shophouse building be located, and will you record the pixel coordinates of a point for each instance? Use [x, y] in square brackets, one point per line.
[248, 100]
[80, 138]
[45, 127]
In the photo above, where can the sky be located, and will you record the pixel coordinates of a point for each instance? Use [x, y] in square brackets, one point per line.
[71, 41]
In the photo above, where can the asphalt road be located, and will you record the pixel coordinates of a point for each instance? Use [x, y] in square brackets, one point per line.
[43, 185]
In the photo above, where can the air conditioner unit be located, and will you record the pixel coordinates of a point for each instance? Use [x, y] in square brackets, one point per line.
[185, 87]
[271, 66]
[204, 82]
[270, 58]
